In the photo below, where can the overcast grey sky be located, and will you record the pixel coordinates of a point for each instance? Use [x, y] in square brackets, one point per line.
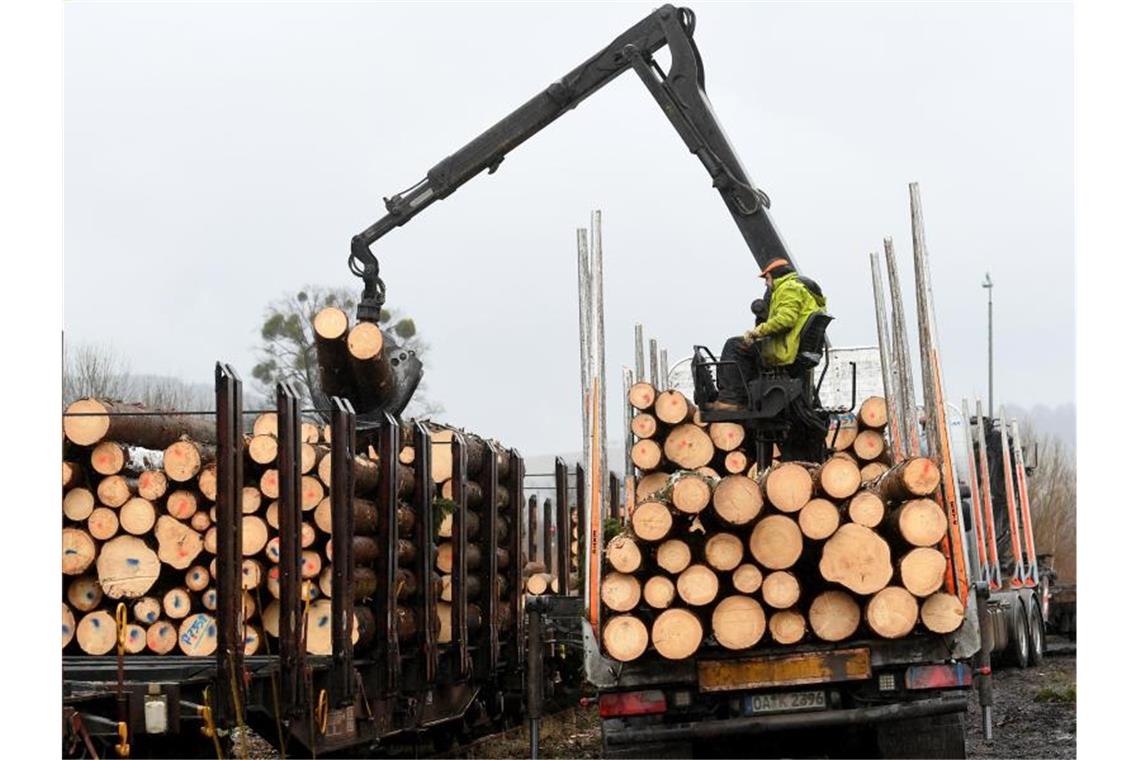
[218, 155]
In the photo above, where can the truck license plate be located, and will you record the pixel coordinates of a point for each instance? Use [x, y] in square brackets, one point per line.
[759, 704]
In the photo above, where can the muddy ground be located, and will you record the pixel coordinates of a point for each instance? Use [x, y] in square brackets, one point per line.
[1034, 717]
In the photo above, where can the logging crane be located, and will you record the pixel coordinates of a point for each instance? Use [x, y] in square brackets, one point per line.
[783, 405]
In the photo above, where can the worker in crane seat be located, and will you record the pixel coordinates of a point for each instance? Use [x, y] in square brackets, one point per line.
[775, 340]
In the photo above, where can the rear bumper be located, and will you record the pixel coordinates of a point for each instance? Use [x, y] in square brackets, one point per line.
[789, 721]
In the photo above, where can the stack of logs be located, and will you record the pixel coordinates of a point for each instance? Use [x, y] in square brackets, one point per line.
[538, 579]
[480, 507]
[138, 506]
[716, 549]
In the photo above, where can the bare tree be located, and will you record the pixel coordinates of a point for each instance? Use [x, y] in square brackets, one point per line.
[1053, 500]
[94, 369]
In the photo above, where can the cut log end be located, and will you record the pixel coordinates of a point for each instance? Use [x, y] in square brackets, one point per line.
[892, 612]
[942, 613]
[857, 558]
[737, 499]
[697, 585]
[365, 341]
[788, 487]
[330, 323]
[659, 592]
[691, 494]
[747, 578]
[738, 622]
[620, 592]
[623, 554]
[839, 478]
[922, 571]
[818, 519]
[673, 556]
[651, 521]
[689, 447]
[834, 615]
[866, 508]
[780, 590]
[787, 627]
[625, 638]
[677, 633]
[724, 551]
[642, 396]
[776, 542]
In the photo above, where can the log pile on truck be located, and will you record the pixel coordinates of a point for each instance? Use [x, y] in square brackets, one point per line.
[139, 488]
[717, 549]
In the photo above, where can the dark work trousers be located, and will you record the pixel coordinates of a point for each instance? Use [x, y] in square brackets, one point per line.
[729, 379]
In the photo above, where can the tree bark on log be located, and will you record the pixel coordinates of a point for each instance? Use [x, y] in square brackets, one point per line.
[330, 331]
[677, 633]
[368, 360]
[365, 517]
[776, 542]
[787, 486]
[691, 494]
[72, 474]
[834, 615]
[738, 622]
[914, 478]
[857, 558]
[625, 638]
[892, 612]
[156, 431]
[872, 471]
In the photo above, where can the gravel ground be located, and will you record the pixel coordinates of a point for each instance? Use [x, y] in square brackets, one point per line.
[1035, 716]
[1035, 713]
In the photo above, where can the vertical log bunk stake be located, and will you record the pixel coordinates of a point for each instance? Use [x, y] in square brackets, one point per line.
[615, 497]
[291, 625]
[387, 647]
[584, 579]
[532, 529]
[1018, 579]
[343, 451]
[460, 665]
[230, 682]
[486, 643]
[547, 536]
[995, 578]
[1031, 571]
[516, 655]
[425, 548]
[889, 368]
[975, 495]
[562, 497]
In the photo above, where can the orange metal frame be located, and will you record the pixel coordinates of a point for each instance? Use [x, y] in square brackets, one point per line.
[988, 504]
[1018, 579]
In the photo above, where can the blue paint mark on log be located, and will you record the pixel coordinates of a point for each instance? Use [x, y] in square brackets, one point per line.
[211, 631]
[65, 628]
[95, 622]
[70, 551]
[150, 617]
[323, 621]
[132, 562]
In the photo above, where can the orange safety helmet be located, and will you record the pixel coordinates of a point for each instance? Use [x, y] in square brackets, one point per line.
[774, 264]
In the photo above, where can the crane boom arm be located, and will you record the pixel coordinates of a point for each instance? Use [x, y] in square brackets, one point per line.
[680, 94]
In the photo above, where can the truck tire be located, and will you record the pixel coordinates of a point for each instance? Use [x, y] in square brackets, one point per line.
[938, 736]
[1017, 651]
[1036, 636]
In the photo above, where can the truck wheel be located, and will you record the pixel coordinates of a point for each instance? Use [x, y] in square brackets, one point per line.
[1036, 637]
[939, 736]
[1018, 651]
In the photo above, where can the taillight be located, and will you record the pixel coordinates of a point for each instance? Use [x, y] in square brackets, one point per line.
[632, 703]
[938, 676]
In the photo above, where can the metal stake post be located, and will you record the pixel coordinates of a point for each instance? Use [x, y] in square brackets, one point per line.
[908, 401]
